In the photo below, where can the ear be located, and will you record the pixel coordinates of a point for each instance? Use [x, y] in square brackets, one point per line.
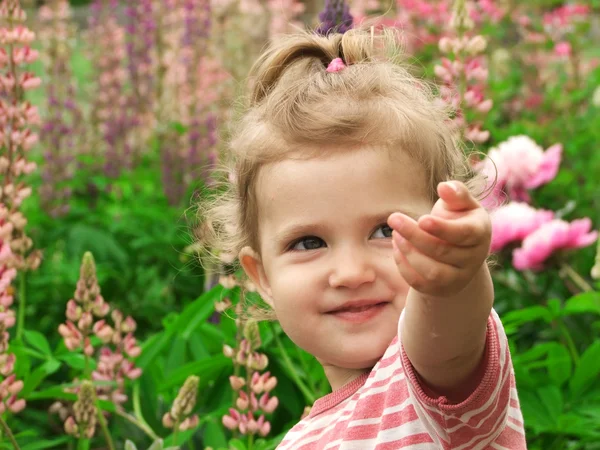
[252, 264]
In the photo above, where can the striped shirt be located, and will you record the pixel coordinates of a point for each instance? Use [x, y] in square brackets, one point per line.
[387, 409]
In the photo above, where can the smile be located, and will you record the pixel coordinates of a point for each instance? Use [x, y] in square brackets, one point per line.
[359, 314]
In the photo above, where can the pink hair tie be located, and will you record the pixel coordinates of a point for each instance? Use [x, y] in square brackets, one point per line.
[336, 65]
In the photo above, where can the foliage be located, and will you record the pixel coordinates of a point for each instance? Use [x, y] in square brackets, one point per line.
[146, 268]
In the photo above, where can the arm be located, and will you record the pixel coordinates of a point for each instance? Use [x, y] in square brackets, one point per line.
[442, 257]
[445, 337]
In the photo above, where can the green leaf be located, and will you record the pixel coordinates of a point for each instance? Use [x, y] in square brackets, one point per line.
[535, 413]
[38, 375]
[207, 369]
[559, 364]
[587, 302]
[100, 242]
[237, 444]
[526, 315]
[199, 311]
[45, 443]
[38, 341]
[554, 307]
[551, 398]
[587, 370]
[213, 435]
[152, 347]
[130, 445]
[77, 361]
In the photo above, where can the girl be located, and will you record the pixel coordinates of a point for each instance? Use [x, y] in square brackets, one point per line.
[350, 208]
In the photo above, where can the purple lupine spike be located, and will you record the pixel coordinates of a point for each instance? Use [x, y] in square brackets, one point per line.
[335, 18]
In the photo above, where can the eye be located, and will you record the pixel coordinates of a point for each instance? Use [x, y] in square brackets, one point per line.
[383, 231]
[307, 243]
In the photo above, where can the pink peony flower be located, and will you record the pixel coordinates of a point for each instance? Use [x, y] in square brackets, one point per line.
[515, 221]
[521, 164]
[552, 236]
[562, 49]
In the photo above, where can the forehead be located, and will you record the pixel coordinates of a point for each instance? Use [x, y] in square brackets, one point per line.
[343, 184]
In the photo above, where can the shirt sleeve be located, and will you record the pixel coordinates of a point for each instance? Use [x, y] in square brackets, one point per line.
[480, 419]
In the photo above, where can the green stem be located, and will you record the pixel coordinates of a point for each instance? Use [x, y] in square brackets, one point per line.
[250, 441]
[569, 340]
[22, 305]
[137, 409]
[11, 437]
[175, 431]
[83, 444]
[141, 425]
[311, 382]
[105, 431]
[575, 277]
[308, 396]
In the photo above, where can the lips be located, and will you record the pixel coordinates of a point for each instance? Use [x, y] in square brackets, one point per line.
[359, 312]
[358, 305]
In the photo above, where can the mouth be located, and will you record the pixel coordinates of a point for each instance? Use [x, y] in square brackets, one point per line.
[360, 311]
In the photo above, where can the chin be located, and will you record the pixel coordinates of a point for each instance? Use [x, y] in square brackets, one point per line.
[366, 357]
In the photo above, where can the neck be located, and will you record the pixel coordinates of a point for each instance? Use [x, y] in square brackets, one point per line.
[340, 376]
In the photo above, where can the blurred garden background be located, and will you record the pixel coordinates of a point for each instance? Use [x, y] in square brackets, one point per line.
[113, 115]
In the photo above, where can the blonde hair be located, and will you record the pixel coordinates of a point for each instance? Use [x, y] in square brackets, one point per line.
[294, 104]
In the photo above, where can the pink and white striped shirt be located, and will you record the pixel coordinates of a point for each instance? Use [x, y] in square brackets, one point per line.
[387, 409]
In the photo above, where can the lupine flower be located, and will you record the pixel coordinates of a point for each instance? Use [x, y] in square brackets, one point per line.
[359, 9]
[110, 114]
[335, 18]
[86, 316]
[520, 164]
[62, 130]
[180, 414]
[113, 364]
[141, 65]
[254, 398]
[83, 421]
[464, 75]
[514, 222]
[190, 154]
[285, 15]
[551, 237]
[16, 136]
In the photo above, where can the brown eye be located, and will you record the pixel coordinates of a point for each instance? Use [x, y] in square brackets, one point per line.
[383, 231]
[308, 243]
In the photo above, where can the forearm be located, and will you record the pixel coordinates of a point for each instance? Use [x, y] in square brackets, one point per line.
[444, 338]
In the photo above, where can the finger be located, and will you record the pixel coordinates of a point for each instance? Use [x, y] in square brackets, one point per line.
[429, 245]
[468, 231]
[456, 196]
[406, 271]
[427, 270]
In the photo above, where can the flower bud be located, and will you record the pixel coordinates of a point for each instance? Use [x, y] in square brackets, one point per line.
[229, 422]
[236, 382]
[242, 401]
[167, 421]
[476, 45]
[252, 334]
[73, 311]
[265, 429]
[189, 423]
[445, 45]
[228, 351]
[186, 399]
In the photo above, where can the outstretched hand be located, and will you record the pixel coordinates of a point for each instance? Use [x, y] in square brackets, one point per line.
[439, 254]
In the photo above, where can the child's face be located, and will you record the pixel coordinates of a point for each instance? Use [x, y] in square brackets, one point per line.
[325, 242]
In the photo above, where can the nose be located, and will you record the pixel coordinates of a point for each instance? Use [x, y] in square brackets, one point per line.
[351, 268]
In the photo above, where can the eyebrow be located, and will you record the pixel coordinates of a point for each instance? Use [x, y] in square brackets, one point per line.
[302, 229]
